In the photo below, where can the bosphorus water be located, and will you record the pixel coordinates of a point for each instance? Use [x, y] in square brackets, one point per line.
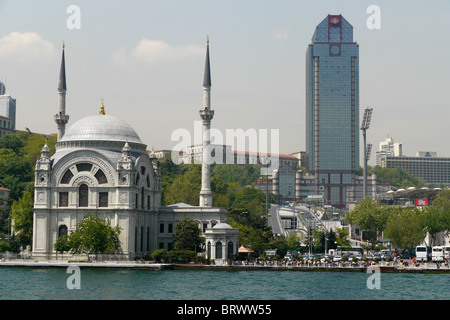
[135, 284]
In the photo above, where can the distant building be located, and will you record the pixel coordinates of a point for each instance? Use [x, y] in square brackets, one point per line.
[303, 159]
[426, 165]
[294, 185]
[388, 148]
[5, 125]
[7, 106]
[159, 154]
[223, 154]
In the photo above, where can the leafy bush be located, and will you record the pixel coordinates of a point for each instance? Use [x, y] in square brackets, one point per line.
[160, 255]
[182, 256]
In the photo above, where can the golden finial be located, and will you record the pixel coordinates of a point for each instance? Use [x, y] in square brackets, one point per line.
[102, 109]
[64, 45]
[207, 40]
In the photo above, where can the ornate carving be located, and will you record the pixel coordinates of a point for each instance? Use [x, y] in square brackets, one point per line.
[123, 197]
[83, 179]
[90, 159]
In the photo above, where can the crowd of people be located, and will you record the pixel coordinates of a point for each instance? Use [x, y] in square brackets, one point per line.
[330, 262]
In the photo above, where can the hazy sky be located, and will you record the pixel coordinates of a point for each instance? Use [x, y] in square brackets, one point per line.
[146, 60]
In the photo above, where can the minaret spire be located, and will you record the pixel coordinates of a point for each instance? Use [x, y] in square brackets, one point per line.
[61, 118]
[207, 76]
[206, 114]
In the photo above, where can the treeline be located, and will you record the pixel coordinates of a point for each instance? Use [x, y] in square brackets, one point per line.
[398, 177]
[405, 226]
[18, 155]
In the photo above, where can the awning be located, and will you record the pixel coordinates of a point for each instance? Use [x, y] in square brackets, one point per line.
[242, 249]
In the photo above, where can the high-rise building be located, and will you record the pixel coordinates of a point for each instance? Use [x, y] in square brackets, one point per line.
[388, 148]
[426, 165]
[332, 109]
[7, 106]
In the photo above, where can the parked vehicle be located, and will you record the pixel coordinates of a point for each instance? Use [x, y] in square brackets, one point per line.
[385, 254]
[447, 252]
[421, 253]
[437, 254]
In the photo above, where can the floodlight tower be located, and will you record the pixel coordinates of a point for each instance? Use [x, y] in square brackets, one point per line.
[364, 126]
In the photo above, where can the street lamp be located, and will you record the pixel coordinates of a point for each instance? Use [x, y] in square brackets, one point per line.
[364, 126]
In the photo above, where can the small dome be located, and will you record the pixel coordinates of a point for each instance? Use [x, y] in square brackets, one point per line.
[101, 128]
[222, 226]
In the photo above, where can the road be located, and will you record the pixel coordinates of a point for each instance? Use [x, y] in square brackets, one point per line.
[303, 214]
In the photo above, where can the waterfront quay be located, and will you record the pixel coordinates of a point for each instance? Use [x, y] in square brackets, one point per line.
[146, 265]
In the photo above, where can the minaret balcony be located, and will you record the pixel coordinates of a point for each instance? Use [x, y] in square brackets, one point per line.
[206, 114]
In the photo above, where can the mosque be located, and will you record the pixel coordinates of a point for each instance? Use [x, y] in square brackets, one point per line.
[101, 166]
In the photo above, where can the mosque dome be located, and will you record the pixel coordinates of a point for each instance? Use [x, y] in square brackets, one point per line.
[101, 128]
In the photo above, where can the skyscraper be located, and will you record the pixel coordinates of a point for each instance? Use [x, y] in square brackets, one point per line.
[7, 106]
[332, 108]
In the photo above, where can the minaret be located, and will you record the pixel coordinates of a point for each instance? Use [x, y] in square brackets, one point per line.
[61, 118]
[206, 114]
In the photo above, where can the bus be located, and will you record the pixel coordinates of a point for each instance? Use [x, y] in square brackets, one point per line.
[447, 252]
[421, 253]
[437, 254]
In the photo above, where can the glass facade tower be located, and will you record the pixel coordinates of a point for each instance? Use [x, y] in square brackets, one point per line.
[332, 108]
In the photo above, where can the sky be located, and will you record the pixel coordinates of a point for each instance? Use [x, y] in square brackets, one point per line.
[146, 60]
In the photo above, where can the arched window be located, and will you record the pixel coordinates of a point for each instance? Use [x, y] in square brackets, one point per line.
[83, 196]
[62, 231]
[219, 250]
[142, 239]
[208, 252]
[138, 178]
[67, 177]
[230, 250]
[84, 167]
[101, 177]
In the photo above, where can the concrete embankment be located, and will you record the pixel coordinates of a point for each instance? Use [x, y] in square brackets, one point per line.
[424, 269]
[97, 265]
[202, 267]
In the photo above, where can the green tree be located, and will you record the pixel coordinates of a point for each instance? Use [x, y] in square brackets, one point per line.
[293, 241]
[342, 238]
[187, 235]
[435, 220]
[22, 215]
[247, 213]
[185, 187]
[62, 245]
[280, 243]
[399, 177]
[442, 200]
[95, 236]
[371, 217]
[404, 228]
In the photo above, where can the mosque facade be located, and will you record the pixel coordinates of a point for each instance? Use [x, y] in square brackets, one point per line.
[102, 167]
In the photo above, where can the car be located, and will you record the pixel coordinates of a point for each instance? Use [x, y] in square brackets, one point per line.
[337, 258]
[358, 256]
[405, 255]
[385, 255]
[376, 256]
